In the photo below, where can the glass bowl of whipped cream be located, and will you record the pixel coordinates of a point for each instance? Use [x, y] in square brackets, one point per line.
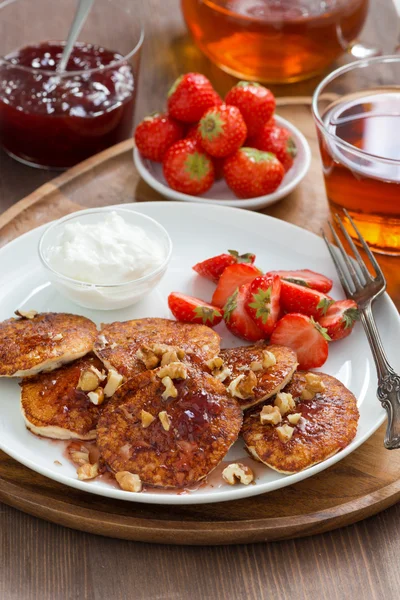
[105, 258]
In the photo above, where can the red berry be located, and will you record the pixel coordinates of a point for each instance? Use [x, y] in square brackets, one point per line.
[340, 319]
[250, 173]
[190, 96]
[255, 102]
[232, 278]
[299, 299]
[193, 132]
[263, 302]
[222, 130]
[306, 278]
[155, 134]
[187, 168]
[192, 310]
[212, 268]
[237, 319]
[279, 141]
[306, 337]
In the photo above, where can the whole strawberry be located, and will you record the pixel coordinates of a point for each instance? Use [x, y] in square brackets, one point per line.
[190, 96]
[255, 102]
[278, 141]
[250, 173]
[187, 168]
[222, 130]
[155, 134]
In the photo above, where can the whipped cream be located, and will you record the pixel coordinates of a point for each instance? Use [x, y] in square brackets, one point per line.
[109, 252]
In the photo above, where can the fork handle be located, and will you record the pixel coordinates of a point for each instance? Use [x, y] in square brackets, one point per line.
[388, 381]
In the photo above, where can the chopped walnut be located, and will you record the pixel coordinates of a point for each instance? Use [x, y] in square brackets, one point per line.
[96, 397]
[237, 472]
[307, 394]
[114, 380]
[100, 374]
[270, 415]
[79, 457]
[256, 366]
[175, 370]
[314, 383]
[153, 356]
[285, 433]
[148, 357]
[218, 369]
[243, 386]
[129, 482]
[26, 314]
[284, 402]
[269, 359]
[103, 341]
[146, 418]
[88, 381]
[170, 390]
[164, 418]
[87, 471]
[172, 356]
[215, 363]
[294, 418]
[56, 337]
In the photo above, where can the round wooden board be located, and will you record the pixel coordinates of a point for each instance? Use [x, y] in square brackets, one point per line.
[361, 485]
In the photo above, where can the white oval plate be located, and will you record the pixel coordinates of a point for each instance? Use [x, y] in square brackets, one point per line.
[196, 234]
[219, 193]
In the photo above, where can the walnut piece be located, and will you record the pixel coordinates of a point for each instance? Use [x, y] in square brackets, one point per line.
[164, 418]
[294, 418]
[270, 415]
[79, 457]
[215, 363]
[172, 356]
[175, 370]
[96, 397]
[218, 369]
[306, 394]
[237, 472]
[88, 381]
[153, 356]
[100, 374]
[314, 383]
[87, 471]
[147, 418]
[243, 386]
[284, 402]
[256, 366]
[26, 314]
[129, 482]
[114, 380]
[285, 433]
[170, 390]
[148, 357]
[269, 359]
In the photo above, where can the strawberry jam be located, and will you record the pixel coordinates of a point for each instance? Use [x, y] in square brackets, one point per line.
[55, 120]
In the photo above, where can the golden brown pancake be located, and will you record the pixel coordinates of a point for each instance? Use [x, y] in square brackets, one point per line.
[328, 423]
[269, 381]
[52, 406]
[43, 343]
[118, 343]
[204, 421]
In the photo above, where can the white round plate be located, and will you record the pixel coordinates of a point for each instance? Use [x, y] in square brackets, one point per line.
[219, 193]
[196, 234]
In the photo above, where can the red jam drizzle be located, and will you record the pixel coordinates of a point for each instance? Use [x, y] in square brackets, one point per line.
[58, 121]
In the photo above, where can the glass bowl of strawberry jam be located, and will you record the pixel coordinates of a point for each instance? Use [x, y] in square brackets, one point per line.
[52, 119]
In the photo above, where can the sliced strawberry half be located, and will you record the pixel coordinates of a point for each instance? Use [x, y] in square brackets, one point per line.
[299, 299]
[232, 278]
[306, 278]
[340, 319]
[263, 302]
[193, 310]
[212, 268]
[306, 337]
[237, 319]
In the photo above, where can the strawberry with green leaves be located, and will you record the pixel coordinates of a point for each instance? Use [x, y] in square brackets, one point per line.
[306, 337]
[233, 277]
[192, 310]
[155, 134]
[190, 96]
[250, 173]
[340, 318]
[279, 141]
[237, 319]
[187, 168]
[212, 268]
[255, 102]
[299, 299]
[306, 278]
[222, 130]
[263, 302]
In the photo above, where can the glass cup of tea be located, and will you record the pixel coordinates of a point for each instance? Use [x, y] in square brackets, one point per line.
[357, 113]
[55, 119]
[276, 41]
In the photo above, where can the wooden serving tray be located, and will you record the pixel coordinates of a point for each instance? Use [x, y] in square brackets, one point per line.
[361, 485]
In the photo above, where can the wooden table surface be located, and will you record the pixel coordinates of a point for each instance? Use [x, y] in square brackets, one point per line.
[42, 561]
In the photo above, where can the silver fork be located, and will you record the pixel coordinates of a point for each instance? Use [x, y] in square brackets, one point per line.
[361, 287]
